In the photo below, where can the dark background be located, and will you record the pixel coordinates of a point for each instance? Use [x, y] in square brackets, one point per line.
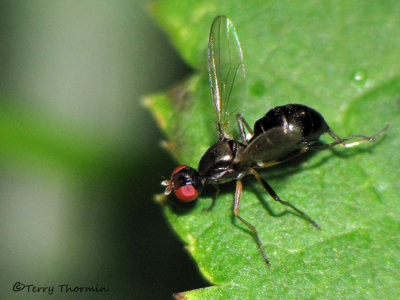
[80, 156]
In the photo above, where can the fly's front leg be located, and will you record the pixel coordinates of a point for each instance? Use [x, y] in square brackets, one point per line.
[238, 195]
[242, 124]
[342, 142]
[270, 191]
[214, 199]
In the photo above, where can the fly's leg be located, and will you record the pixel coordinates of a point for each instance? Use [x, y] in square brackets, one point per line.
[242, 124]
[342, 142]
[238, 195]
[270, 191]
[214, 199]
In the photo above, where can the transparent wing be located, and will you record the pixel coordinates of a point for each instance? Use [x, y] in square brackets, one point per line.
[271, 147]
[227, 74]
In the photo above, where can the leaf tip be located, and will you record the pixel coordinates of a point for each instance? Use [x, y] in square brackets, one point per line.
[148, 102]
[160, 198]
[179, 296]
[170, 146]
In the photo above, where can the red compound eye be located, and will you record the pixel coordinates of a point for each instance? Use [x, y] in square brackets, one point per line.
[186, 193]
[178, 169]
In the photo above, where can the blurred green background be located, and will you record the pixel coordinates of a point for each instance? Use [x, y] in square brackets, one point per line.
[80, 156]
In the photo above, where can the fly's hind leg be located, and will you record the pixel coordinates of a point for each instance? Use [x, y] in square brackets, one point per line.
[238, 195]
[343, 141]
[270, 191]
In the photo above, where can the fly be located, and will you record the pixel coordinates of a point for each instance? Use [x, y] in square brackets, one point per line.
[282, 134]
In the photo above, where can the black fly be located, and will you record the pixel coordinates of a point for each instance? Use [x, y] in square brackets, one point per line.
[283, 133]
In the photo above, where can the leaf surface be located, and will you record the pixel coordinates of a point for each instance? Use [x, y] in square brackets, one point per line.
[342, 59]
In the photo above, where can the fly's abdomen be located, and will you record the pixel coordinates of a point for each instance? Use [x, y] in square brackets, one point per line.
[293, 118]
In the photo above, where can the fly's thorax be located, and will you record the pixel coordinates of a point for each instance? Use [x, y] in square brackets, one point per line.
[217, 164]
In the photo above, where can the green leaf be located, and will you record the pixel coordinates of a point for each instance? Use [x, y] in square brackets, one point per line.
[341, 58]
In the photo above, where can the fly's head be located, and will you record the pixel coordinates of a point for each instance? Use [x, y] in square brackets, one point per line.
[186, 182]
